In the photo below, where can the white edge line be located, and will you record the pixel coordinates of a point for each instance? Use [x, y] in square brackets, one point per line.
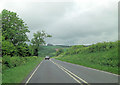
[91, 68]
[33, 73]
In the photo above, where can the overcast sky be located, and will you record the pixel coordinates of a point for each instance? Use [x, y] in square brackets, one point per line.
[69, 21]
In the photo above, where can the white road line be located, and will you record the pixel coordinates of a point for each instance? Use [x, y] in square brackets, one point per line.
[70, 75]
[32, 74]
[66, 72]
[70, 72]
[75, 75]
[92, 68]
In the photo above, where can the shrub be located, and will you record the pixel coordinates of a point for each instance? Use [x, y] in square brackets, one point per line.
[10, 62]
[59, 52]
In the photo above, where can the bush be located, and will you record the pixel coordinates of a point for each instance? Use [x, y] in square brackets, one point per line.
[59, 52]
[96, 56]
[4, 67]
[8, 48]
[10, 62]
[15, 61]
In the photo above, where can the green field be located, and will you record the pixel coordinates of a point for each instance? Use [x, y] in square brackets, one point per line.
[102, 56]
[48, 50]
[19, 73]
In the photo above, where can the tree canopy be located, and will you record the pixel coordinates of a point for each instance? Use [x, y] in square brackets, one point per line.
[14, 36]
[13, 28]
[38, 40]
[13, 33]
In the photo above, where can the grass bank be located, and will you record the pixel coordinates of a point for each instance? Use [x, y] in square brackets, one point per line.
[102, 56]
[19, 73]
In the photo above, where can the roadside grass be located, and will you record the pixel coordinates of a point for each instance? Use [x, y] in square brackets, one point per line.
[102, 60]
[18, 74]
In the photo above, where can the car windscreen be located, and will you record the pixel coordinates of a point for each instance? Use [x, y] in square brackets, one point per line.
[47, 57]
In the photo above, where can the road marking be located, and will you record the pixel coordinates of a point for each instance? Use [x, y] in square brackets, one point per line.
[75, 75]
[69, 73]
[93, 69]
[33, 74]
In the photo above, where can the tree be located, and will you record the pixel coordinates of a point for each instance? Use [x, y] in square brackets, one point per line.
[8, 48]
[39, 40]
[14, 34]
[13, 28]
[23, 49]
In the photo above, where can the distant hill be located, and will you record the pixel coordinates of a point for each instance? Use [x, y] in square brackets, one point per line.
[49, 50]
[62, 45]
[49, 44]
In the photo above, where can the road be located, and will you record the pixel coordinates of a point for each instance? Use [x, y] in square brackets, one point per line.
[55, 71]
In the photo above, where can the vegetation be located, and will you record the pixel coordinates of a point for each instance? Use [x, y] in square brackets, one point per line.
[103, 56]
[38, 40]
[13, 34]
[19, 73]
[18, 58]
[49, 50]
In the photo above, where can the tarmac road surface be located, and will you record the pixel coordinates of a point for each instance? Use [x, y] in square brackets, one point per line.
[55, 71]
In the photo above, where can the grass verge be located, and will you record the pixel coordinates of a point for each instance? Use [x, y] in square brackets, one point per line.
[18, 74]
[104, 60]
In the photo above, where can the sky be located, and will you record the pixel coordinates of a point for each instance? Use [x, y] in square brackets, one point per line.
[70, 22]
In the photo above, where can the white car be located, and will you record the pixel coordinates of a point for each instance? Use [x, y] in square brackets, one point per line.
[47, 58]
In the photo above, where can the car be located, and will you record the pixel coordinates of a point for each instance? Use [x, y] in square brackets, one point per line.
[47, 58]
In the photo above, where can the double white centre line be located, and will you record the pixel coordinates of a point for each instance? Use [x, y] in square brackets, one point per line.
[74, 76]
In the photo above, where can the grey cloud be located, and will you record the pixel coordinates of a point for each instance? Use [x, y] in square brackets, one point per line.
[70, 22]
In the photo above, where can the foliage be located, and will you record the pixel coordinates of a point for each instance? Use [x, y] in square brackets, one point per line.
[13, 34]
[7, 47]
[13, 75]
[103, 56]
[38, 40]
[13, 28]
[15, 49]
[23, 49]
[31, 49]
[105, 46]
[59, 52]
[48, 50]
[10, 62]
